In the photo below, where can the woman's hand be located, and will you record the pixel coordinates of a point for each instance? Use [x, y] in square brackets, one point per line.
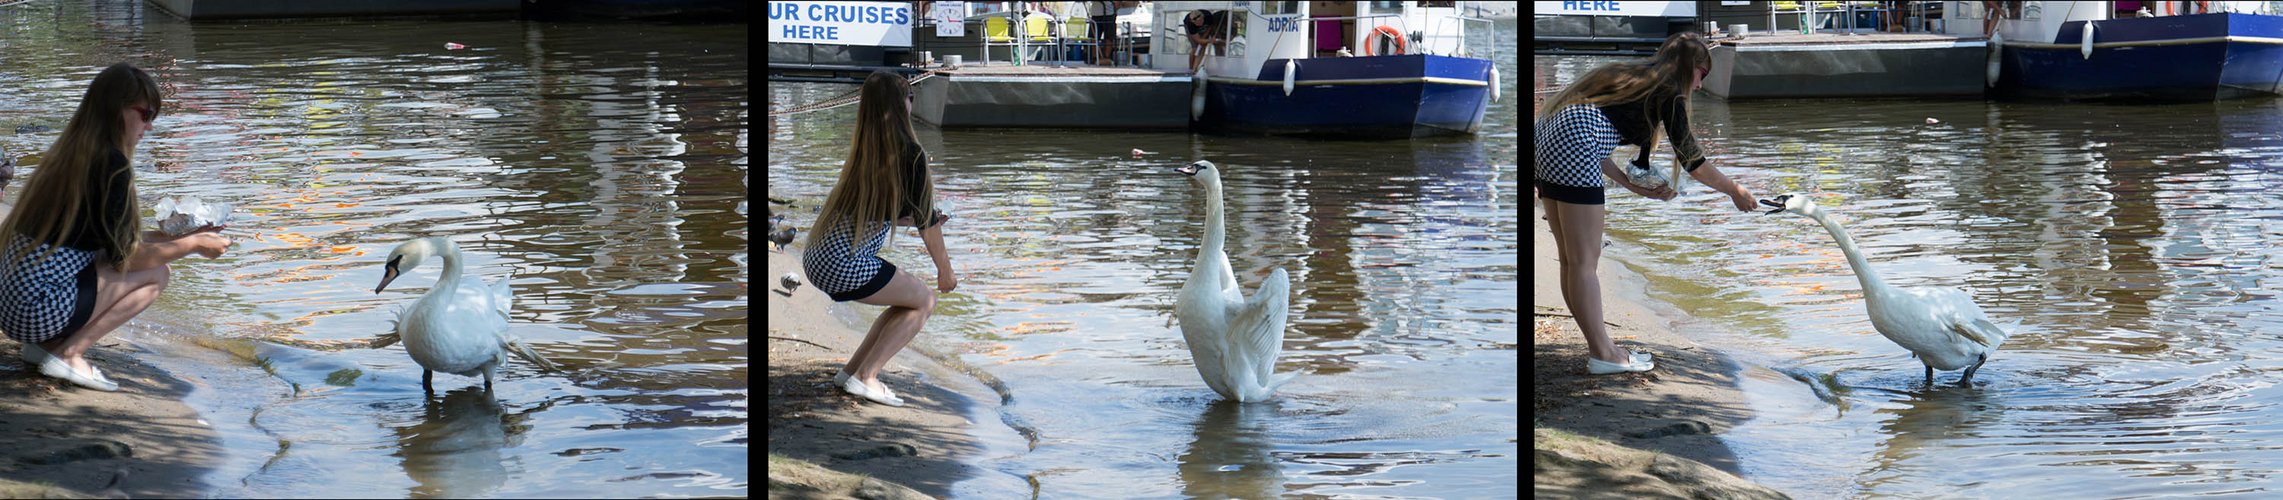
[1743, 198]
[1665, 193]
[207, 243]
[945, 280]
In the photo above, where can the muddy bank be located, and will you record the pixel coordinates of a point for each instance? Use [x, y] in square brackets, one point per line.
[922, 445]
[1636, 434]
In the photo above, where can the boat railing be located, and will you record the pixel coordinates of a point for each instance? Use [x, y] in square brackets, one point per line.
[1403, 24]
[1058, 28]
[1465, 47]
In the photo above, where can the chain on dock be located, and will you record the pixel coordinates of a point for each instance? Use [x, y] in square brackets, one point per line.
[851, 97]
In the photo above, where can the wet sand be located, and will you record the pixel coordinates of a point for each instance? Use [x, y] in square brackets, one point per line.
[141, 441]
[1679, 409]
[921, 445]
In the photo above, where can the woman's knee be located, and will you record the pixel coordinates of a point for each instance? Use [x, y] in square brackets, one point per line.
[922, 298]
[155, 278]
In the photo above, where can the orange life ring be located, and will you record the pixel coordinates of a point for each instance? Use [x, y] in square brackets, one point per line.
[1400, 45]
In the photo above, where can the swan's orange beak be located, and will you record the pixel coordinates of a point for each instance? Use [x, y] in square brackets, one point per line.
[387, 276]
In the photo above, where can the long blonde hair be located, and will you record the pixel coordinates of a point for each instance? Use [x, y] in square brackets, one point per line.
[1666, 75]
[872, 180]
[63, 188]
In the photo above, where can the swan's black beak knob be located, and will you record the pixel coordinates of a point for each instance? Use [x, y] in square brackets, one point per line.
[1778, 203]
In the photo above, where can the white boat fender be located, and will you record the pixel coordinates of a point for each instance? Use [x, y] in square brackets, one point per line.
[1493, 84]
[1289, 69]
[1197, 94]
[1997, 53]
[2088, 41]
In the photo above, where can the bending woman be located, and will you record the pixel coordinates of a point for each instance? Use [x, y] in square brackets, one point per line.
[1617, 104]
[884, 178]
[74, 262]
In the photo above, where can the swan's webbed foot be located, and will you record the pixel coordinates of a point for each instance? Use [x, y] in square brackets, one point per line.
[1967, 381]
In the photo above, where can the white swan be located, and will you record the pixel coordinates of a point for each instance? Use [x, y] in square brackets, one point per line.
[1235, 340]
[1941, 326]
[455, 329]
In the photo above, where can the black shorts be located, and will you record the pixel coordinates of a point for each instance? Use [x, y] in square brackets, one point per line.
[83, 308]
[879, 280]
[1102, 28]
[1571, 145]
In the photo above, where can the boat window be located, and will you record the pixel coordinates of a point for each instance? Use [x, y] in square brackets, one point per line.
[1387, 6]
[1275, 8]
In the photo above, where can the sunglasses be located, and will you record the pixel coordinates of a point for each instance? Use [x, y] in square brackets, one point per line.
[148, 114]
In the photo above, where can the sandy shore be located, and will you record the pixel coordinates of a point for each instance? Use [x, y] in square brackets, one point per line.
[921, 445]
[141, 441]
[1601, 436]
[60, 440]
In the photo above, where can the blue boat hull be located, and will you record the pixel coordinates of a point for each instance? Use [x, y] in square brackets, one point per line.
[1360, 97]
[2193, 57]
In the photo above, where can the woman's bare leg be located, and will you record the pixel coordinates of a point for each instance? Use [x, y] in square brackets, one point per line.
[118, 297]
[909, 305]
[1580, 241]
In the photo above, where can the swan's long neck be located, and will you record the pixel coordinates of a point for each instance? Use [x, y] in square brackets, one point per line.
[1872, 285]
[450, 284]
[1213, 230]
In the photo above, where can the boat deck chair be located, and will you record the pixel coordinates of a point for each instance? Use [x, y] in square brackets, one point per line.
[995, 33]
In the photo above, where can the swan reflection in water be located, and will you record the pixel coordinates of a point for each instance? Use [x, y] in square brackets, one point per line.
[1233, 455]
[454, 451]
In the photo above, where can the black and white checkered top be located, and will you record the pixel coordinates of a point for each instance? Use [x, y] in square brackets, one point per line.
[1571, 145]
[39, 297]
[847, 267]
[846, 263]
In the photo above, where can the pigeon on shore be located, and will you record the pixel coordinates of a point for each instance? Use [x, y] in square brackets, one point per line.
[781, 237]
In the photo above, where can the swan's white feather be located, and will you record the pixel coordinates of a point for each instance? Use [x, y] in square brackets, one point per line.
[1234, 340]
[1942, 327]
[466, 332]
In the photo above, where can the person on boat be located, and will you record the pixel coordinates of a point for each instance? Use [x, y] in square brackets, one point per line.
[885, 178]
[1101, 19]
[1203, 31]
[1621, 103]
[74, 262]
[1993, 10]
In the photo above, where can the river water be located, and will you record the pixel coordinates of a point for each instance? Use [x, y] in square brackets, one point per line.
[601, 165]
[1070, 251]
[2129, 247]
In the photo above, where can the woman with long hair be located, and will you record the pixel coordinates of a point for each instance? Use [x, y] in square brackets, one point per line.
[1621, 103]
[75, 263]
[884, 179]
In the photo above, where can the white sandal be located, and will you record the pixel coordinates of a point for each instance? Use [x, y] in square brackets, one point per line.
[1635, 362]
[857, 387]
[32, 353]
[56, 368]
[842, 378]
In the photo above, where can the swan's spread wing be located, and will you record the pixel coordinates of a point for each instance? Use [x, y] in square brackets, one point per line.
[1258, 329]
[1960, 316]
[502, 297]
[515, 345]
[1979, 331]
